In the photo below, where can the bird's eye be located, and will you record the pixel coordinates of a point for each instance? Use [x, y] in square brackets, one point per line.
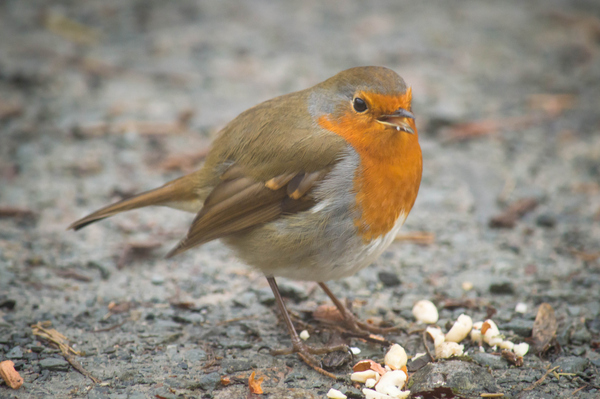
[359, 105]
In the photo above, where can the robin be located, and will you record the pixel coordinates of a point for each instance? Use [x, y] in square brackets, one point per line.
[313, 185]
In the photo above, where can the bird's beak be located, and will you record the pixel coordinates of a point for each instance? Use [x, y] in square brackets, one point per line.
[398, 120]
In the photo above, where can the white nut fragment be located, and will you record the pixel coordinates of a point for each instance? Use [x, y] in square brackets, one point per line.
[363, 376]
[435, 332]
[460, 330]
[521, 349]
[506, 345]
[393, 379]
[396, 357]
[370, 383]
[425, 312]
[304, 335]
[521, 307]
[335, 394]
[354, 350]
[371, 394]
[476, 333]
[492, 335]
[448, 349]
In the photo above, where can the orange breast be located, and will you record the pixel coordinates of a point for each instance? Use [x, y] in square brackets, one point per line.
[389, 176]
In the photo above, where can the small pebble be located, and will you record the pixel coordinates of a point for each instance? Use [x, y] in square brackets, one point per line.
[157, 279]
[389, 279]
[467, 286]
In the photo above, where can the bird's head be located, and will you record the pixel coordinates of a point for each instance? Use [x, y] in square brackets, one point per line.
[370, 107]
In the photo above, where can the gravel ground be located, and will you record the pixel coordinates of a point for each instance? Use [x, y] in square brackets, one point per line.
[101, 99]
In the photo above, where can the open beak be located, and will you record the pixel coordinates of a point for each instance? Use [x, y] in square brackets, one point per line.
[398, 120]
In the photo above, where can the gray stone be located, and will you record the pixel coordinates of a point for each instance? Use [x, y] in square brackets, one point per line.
[54, 364]
[492, 361]
[518, 326]
[237, 344]
[189, 318]
[234, 365]
[545, 220]
[15, 353]
[265, 296]
[157, 279]
[454, 377]
[571, 364]
[194, 355]
[580, 335]
[502, 288]
[295, 291]
[574, 310]
[244, 300]
[389, 279]
[208, 382]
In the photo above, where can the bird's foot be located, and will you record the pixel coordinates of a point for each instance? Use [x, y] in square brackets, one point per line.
[351, 322]
[306, 353]
[354, 325]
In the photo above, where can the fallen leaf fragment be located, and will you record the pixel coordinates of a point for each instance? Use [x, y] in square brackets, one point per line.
[10, 375]
[514, 212]
[544, 328]
[512, 358]
[69, 29]
[225, 380]
[254, 384]
[328, 313]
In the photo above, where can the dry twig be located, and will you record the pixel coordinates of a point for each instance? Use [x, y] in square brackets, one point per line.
[538, 382]
[41, 330]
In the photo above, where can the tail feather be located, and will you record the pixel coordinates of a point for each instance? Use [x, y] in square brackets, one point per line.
[182, 193]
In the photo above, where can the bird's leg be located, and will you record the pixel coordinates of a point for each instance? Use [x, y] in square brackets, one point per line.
[304, 351]
[351, 321]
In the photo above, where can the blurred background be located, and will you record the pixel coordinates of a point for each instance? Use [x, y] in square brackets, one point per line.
[102, 99]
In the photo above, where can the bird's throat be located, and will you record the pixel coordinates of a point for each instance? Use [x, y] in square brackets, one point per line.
[387, 180]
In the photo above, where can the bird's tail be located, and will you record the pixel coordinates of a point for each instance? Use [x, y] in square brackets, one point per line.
[182, 193]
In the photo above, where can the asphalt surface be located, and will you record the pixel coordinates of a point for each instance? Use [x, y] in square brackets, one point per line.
[102, 99]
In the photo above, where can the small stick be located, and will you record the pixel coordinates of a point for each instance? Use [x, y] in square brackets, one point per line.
[538, 382]
[315, 367]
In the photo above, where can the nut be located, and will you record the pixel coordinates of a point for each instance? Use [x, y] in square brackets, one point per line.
[425, 312]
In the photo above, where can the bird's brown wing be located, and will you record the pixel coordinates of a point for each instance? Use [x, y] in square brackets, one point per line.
[239, 202]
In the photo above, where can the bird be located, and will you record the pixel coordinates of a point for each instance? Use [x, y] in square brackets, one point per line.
[312, 185]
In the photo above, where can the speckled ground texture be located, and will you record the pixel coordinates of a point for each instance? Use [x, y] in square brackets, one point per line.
[526, 74]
